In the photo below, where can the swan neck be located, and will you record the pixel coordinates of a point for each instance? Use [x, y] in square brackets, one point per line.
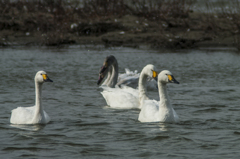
[38, 104]
[108, 79]
[112, 78]
[114, 74]
[164, 99]
[142, 87]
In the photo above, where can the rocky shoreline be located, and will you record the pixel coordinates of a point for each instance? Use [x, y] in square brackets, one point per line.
[60, 26]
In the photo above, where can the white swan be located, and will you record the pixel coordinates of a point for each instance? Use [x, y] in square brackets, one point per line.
[34, 114]
[162, 111]
[130, 78]
[122, 98]
[127, 97]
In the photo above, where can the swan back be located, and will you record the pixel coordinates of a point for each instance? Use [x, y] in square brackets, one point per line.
[24, 115]
[121, 98]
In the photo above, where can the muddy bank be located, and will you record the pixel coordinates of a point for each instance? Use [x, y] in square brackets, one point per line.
[175, 26]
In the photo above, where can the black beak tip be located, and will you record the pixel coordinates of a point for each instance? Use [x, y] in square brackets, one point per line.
[99, 80]
[177, 82]
[48, 80]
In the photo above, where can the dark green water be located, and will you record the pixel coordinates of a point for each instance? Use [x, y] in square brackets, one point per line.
[82, 126]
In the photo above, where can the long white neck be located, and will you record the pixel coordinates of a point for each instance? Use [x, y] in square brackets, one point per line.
[164, 99]
[106, 82]
[112, 77]
[142, 87]
[38, 106]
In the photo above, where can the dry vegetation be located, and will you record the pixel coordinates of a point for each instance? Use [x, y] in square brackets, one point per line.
[170, 24]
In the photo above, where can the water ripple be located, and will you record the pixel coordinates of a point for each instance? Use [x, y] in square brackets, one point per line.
[82, 126]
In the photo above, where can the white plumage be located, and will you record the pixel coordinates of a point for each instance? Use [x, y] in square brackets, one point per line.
[160, 111]
[126, 97]
[34, 114]
[130, 78]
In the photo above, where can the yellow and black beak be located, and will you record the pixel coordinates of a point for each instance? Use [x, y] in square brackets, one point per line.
[171, 79]
[46, 78]
[155, 74]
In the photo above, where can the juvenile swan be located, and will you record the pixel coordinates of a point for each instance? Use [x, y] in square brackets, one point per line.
[161, 111]
[110, 69]
[34, 114]
[127, 97]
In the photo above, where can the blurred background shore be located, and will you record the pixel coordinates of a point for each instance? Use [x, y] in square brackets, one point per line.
[175, 24]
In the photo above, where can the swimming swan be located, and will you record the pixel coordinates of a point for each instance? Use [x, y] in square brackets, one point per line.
[127, 97]
[161, 111]
[110, 69]
[34, 114]
[131, 79]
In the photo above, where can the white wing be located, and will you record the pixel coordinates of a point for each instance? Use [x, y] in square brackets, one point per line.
[149, 111]
[125, 97]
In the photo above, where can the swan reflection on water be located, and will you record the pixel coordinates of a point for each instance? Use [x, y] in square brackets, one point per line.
[163, 127]
[35, 127]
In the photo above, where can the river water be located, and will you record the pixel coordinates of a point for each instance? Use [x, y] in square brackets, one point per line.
[82, 126]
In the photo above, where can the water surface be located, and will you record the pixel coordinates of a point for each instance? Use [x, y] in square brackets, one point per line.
[82, 126]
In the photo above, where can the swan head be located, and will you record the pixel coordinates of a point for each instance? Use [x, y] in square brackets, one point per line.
[166, 77]
[108, 62]
[41, 77]
[150, 70]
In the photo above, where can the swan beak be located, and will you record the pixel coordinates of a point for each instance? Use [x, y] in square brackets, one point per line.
[155, 74]
[100, 78]
[46, 78]
[171, 79]
[104, 67]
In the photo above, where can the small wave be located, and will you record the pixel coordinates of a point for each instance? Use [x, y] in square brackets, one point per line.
[208, 110]
[160, 138]
[26, 148]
